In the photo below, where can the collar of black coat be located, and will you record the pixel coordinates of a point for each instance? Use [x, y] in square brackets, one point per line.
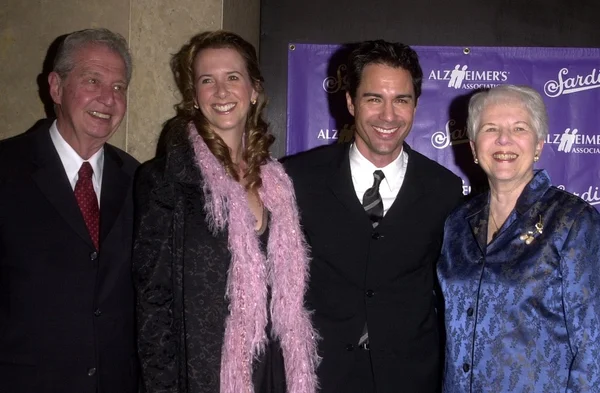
[174, 144]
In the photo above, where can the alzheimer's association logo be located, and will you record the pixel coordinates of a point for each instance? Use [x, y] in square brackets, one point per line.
[571, 84]
[573, 142]
[457, 76]
[567, 139]
[343, 135]
[461, 77]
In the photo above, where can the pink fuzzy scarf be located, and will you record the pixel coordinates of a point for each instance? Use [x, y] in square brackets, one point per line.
[285, 270]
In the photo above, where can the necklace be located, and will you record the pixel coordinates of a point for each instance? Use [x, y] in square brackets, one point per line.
[495, 225]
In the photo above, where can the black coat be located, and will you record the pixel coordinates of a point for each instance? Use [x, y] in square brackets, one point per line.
[180, 274]
[181, 310]
[66, 311]
[384, 276]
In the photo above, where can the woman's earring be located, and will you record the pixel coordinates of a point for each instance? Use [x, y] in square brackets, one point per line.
[196, 106]
[536, 158]
[475, 160]
[253, 102]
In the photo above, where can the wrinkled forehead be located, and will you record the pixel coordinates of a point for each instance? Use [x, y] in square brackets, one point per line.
[97, 55]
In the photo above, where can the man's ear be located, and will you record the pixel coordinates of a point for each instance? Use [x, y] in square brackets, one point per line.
[350, 103]
[55, 84]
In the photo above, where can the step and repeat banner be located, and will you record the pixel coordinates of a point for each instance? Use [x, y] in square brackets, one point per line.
[568, 79]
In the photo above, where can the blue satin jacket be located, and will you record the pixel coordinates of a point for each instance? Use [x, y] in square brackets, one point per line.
[523, 317]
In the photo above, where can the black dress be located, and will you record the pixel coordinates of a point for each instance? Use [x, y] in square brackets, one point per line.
[268, 370]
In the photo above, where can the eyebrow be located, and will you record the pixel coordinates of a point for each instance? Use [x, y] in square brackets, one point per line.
[97, 74]
[376, 95]
[227, 72]
[515, 123]
[88, 73]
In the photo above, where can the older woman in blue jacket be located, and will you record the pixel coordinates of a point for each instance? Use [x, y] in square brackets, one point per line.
[520, 264]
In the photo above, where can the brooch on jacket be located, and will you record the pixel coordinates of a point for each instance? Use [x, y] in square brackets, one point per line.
[528, 236]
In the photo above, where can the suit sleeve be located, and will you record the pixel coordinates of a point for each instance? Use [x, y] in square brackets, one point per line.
[580, 265]
[153, 274]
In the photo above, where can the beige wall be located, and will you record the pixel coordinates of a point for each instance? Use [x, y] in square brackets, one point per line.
[154, 28]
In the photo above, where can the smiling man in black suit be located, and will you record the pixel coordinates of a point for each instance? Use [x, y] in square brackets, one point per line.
[373, 213]
[66, 296]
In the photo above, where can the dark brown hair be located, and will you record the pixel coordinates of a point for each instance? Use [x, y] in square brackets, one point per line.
[257, 140]
[392, 54]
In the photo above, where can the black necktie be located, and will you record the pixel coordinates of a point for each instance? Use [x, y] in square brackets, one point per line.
[373, 205]
[372, 199]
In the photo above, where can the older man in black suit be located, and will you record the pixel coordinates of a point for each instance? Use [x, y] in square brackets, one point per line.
[66, 296]
[373, 213]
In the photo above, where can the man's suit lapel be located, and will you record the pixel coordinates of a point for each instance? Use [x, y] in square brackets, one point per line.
[115, 184]
[50, 177]
[413, 188]
[340, 183]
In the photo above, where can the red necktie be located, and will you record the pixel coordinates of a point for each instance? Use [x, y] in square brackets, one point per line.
[87, 201]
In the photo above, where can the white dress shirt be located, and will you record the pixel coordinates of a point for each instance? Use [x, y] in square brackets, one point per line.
[362, 176]
[72, 161]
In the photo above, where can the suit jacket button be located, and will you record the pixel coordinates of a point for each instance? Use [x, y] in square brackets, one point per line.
[97, 313]
[470, 312]
[349, 347]
[370, 293]
[91, 372]
[93, 256]
[376, 236]
[466, 367]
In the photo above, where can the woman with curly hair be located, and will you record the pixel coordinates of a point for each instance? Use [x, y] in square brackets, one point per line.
[220, 264]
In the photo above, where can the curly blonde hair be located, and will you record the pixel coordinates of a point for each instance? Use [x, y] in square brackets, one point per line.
[257, 139]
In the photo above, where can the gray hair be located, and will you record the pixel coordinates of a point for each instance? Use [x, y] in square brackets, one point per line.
[530, 99]
[64, 62]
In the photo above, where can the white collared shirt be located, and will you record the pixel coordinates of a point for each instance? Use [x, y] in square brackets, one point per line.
[72, 161]
[362, 176]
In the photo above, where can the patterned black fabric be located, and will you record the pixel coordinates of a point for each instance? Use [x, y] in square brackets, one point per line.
[180, 274]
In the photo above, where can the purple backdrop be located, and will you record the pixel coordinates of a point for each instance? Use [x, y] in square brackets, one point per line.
[567, 78]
